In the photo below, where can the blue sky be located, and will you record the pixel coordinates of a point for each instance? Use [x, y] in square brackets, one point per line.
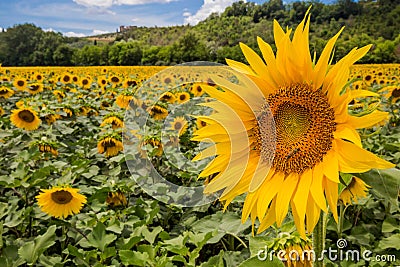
[89, 17]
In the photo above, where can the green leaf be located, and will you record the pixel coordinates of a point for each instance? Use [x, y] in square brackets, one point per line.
[392, 241]
[129, 257]
[98, 238]
[385, 183]
[31, 251]
[151, 236]
[390, 225]
[215, 261]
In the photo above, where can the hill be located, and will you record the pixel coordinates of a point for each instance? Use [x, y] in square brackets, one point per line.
[217, 37]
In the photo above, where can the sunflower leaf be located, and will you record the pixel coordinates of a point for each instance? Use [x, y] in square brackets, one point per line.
[98, 238]
[31, 250]
[385, 183]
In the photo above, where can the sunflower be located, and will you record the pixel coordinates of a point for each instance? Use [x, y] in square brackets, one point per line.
[65, 78]
[85, 82]
[168, 97]
[38, 77]
[115, 199]
[35, 88]
[180, 125]
[315, 136]
[115, 120]
[60, 202]
[20, 83]
[157, 112]
[6, 92]
[196, 90]
[25, 118]
[111, 146]
[182, 97]
[123, 100]
[129, 83]
[392, 92]
[355, 190]
[155, 147]
[48, 147]
[200, 124]
[2, 112]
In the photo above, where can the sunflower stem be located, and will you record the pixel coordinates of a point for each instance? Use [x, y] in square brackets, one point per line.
[319, 240]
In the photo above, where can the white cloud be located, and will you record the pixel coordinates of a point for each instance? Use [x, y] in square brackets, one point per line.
[98, 32]
[48, 30]
[209, 6]
[74, 34]
[186, 14]
[109, 3]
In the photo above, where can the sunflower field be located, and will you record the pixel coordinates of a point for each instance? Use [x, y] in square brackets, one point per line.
[67, 196]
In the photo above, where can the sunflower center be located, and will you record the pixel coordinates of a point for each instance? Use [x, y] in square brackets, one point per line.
[35, 87]
[26, 116]
[3, 92]
[61, 197]
[396, 93]
[304, 123]
[20, 83]
[178, 125]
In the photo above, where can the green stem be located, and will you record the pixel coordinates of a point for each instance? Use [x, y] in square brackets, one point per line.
[319, 240]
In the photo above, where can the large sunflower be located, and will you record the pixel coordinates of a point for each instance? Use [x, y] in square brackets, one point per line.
[61, 201]
[25, 118]
[315, 136]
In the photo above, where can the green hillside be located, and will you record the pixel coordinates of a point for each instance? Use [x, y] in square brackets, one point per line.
[217, 37]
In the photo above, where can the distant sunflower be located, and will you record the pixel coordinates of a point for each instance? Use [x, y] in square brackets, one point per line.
[355, 190]
[392, 92]
[157, 112]
[114, 120]
[315, 136]
[35, 88]
[129, 83]
[168, 97]
[38, 77]
[6, 92]
[48, 147]
[179, 125]
[20, 83]
[123, 100]
[111, 146]
[85, 82]
[116, 199]
[65, 78]
[60, 202]
[2, 112]
[182, 97]
[200, 123]
[196, 90]
[25, 118]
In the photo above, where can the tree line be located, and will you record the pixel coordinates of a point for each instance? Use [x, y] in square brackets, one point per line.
[215, 38]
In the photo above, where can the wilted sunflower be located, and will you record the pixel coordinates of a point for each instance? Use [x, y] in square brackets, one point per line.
[180, 125]
[115, 120]
[168, 97]
[116, 199]
[48, 147]
[25, 118]
[355, 190]
[60, 202]
[35, 88]
[157, 112]
[6, 92]
[315, 136]
[111, 146]
[182, 97]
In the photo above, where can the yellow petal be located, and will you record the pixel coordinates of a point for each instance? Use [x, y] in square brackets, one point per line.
[331, 166]
[367, 120]
[316, 189]
[283, 197]
[331, 192]
[255, 61]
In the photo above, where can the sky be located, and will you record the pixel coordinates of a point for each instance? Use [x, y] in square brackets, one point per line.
[91, 17]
